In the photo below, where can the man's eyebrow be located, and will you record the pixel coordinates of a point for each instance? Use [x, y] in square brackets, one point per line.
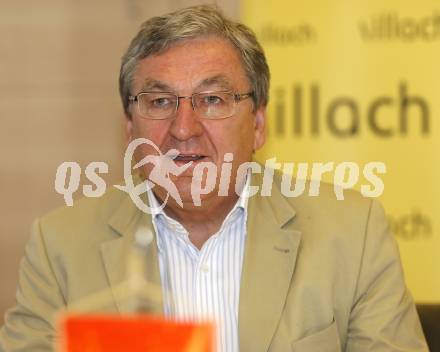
[152, 84]
[219, 81]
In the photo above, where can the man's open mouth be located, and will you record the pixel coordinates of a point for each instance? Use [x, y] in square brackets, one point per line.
[188, 157]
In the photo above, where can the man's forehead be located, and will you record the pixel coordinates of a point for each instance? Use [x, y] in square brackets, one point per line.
[196, 64]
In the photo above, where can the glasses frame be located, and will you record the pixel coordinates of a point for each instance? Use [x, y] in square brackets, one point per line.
[237, 98]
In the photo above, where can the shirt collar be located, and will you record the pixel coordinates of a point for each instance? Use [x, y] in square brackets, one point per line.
[242, 201]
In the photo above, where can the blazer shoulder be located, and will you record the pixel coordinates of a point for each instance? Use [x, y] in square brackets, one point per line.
[326, 198]
[86, 218]
[324, 217]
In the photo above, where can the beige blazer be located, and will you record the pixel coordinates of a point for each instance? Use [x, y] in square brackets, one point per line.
[318, 275]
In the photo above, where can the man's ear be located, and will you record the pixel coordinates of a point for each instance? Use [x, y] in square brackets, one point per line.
[260, 127]
[128, 130]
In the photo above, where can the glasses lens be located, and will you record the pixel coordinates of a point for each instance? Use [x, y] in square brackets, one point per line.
[157, 105]
[214, 105]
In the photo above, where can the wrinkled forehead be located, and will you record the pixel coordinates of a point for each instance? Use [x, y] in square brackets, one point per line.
[202, 63]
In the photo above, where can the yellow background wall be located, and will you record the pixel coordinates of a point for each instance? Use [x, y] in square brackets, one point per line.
[343, 68]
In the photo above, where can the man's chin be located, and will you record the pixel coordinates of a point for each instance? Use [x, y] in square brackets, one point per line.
[183, 186]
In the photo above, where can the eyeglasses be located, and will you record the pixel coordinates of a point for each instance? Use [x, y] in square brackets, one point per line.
[208, 105]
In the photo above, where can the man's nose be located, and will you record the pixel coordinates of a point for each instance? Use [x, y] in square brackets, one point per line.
[186, 124]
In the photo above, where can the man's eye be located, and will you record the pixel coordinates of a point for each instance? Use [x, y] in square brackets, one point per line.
[160, 102]
[212, 100]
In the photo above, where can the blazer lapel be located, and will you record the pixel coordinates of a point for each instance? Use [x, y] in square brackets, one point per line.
[269, 261]
[126, 220]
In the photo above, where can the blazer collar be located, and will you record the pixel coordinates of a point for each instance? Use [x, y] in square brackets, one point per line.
[126, 221]
[269, 262]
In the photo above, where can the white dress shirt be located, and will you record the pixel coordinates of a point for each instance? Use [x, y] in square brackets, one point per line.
[203, 285]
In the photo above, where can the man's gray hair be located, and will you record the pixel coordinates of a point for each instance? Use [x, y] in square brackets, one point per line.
[160, 33]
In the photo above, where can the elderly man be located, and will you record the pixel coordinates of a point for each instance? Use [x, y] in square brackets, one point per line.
[274, 273]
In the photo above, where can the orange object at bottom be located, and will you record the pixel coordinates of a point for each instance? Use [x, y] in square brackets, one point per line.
[102, 333]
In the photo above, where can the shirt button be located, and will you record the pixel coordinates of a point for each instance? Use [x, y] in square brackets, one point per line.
[204, 268]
